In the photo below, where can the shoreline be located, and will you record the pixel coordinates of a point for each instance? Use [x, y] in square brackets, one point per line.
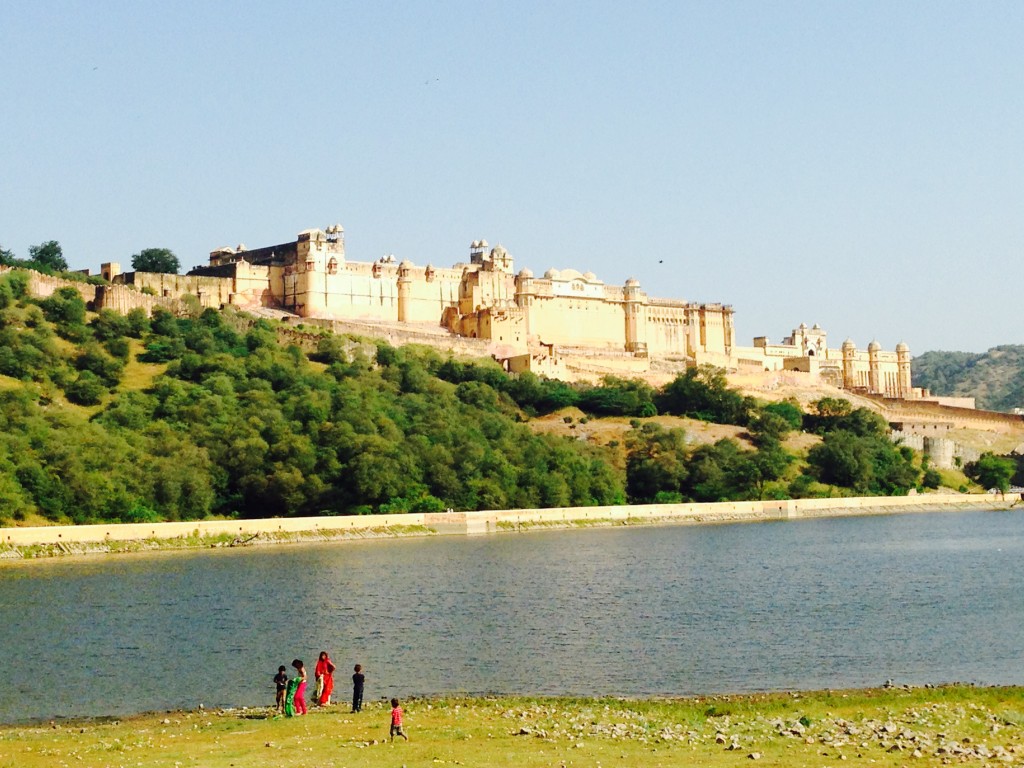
[341, 707]
[26, 543]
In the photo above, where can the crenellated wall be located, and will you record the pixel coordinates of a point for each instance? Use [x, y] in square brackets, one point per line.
[123, 299]
[211, 291]
[43, 286]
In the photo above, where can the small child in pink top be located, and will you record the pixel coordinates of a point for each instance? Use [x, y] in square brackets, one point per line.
[396, 721]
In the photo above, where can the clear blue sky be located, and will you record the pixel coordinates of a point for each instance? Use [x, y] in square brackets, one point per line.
[855, 164]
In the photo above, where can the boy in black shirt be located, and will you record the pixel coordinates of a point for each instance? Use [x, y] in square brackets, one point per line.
[357, 689]
[281, 681]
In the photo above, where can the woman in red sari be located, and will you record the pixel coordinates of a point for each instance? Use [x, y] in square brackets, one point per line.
[324, 673]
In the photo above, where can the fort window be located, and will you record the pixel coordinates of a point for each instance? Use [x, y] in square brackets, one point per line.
[332, 266]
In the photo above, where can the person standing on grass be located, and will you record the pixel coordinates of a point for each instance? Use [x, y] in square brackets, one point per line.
[281, 681]
[396, 721]
[357, 688]
[300, 687]
[324, 673]
[289, 697]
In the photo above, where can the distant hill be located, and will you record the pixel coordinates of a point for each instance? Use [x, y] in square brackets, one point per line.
[995, 378]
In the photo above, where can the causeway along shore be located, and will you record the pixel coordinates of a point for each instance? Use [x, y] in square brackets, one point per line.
[18, 543]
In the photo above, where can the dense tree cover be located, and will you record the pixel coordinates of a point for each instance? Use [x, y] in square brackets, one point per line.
[831, 414]
[536, 395]
[239, 425]
[856, 452]
[662, 468]
[995, 378]
[703, 393]
[160, 260]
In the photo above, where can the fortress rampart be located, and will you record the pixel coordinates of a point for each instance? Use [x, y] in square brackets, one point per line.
[563, 320]
[564, 323]
[958, 418]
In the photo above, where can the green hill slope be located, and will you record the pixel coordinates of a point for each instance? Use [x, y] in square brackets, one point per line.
[995, 378]
[138, 419]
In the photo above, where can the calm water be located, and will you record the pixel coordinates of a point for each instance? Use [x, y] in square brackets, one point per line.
[676, 610]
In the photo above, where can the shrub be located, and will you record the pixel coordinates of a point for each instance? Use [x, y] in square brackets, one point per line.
[87, 389]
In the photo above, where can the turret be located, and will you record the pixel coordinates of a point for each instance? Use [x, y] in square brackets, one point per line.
[636, 328]
[311, 271]
[849, 351]
[903, 365]
[404, 286]
[874, 372]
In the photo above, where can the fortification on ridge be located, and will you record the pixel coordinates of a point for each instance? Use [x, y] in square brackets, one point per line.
[532, 323]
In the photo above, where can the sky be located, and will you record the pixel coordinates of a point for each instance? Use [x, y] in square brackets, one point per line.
[859, 165]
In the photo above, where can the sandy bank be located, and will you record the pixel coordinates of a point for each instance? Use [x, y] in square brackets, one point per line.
[45, 541]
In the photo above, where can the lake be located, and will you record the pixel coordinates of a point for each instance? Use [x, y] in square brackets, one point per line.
[827, 603]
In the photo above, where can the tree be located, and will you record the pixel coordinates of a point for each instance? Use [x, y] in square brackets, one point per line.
[656, 462]
[160, 260]
[768, 427]
[6, 256]
[789, 410]
[65, 307]
[87, 389]
[991, 471]
[48, 255]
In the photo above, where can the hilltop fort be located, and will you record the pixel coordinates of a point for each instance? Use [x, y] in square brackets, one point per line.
[564, 323]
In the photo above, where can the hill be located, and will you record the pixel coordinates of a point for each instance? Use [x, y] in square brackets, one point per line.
[136, 418]
[995, 378]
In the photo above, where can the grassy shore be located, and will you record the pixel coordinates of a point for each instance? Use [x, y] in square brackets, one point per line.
[879, 727]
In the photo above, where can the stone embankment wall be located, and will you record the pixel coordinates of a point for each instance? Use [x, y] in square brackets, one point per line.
[493, 521]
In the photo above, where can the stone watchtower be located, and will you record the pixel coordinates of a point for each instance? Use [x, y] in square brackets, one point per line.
[636, 327]
[404, 290]
[849, 351]
[526, 294]
[903, 369]
[874, 371]
[318, 254]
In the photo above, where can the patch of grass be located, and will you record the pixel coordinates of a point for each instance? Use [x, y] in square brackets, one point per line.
[877, 728]
[138, 375]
